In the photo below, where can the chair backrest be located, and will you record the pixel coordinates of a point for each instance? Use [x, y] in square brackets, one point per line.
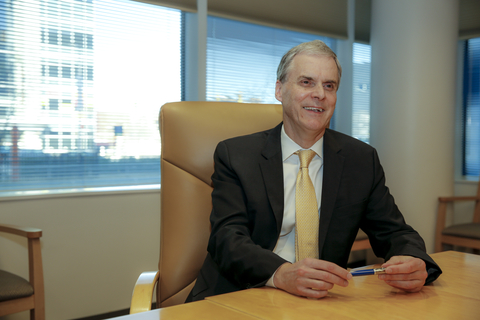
[190, 131]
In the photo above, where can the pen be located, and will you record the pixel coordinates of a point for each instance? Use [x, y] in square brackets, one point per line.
[366, 272]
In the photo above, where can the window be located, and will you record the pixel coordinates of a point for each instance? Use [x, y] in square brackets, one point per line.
[242, 59]
[81, 85]
[82, 82]
[361, 91]
[471, 108]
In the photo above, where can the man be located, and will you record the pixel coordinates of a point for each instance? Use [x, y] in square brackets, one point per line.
[253, 220]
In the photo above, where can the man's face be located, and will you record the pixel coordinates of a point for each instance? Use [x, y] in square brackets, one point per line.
[308, 95]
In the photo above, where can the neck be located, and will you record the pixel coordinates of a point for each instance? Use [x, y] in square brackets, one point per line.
[306, 141]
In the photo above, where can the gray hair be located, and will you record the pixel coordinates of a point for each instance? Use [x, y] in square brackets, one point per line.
[315, 47]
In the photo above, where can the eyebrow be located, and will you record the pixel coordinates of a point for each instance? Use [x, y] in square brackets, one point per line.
[304, 77]
[310, 78]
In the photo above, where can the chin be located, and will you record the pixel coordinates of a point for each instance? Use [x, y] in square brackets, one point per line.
[318, 126]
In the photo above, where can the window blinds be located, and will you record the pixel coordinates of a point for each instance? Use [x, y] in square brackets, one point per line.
[471, 104]
[361, 91]
[81, 85]
[242, 59]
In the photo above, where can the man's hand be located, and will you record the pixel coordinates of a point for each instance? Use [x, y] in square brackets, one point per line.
[310, 277]
[405, 273]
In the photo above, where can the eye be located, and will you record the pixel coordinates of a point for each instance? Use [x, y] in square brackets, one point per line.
[329, 85]
[306, 82]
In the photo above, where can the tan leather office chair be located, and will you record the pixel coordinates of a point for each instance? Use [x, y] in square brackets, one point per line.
[463, 235]
[190, 131]
[16, 293]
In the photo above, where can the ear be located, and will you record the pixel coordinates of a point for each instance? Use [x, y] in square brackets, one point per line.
[278, 90]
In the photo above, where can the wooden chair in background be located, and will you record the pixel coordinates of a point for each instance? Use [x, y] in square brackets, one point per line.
[16, 293]
[464, 235]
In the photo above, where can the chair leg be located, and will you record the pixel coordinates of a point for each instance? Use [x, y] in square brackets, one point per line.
[37, 314]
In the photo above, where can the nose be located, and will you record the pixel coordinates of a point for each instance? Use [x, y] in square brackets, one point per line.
[318, 92]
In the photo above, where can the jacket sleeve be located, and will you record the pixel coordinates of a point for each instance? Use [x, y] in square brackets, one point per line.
[388, 232]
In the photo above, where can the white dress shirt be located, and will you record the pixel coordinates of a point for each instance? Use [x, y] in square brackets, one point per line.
[285, 246]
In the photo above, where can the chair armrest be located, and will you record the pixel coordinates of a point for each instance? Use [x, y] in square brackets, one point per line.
[35, 266]
[31, 233]
[452, 199]
[143, 292]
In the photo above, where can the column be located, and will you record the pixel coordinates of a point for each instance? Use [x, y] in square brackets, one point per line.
[414, 48]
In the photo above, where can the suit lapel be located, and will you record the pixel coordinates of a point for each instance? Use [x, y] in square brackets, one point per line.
[272, 172]
[332, 172]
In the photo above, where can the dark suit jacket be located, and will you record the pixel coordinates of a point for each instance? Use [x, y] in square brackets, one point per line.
[248, 210]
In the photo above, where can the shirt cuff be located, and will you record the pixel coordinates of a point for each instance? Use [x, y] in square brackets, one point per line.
[270, 281]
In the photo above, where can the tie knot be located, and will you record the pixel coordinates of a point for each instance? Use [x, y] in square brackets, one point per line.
[306, 157]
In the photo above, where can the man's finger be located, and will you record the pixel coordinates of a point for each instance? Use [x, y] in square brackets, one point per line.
[329, 267]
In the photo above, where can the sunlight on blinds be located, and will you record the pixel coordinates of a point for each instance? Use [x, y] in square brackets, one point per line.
[361, 91]
[81, 86]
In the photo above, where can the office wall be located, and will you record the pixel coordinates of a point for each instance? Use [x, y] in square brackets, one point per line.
[93, 246]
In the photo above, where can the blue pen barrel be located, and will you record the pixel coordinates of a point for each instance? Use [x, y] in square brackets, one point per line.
[365, 272]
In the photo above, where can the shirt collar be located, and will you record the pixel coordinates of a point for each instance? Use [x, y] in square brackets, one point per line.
[289, 146]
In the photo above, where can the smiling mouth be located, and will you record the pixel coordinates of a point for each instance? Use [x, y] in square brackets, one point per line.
[319, 110]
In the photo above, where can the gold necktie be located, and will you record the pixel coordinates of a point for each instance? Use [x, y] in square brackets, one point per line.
[306, 216]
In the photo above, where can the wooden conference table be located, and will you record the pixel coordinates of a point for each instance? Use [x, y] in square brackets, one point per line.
[455, 295]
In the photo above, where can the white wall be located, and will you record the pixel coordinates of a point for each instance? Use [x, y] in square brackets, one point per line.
[463, 210]
[93, 247]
